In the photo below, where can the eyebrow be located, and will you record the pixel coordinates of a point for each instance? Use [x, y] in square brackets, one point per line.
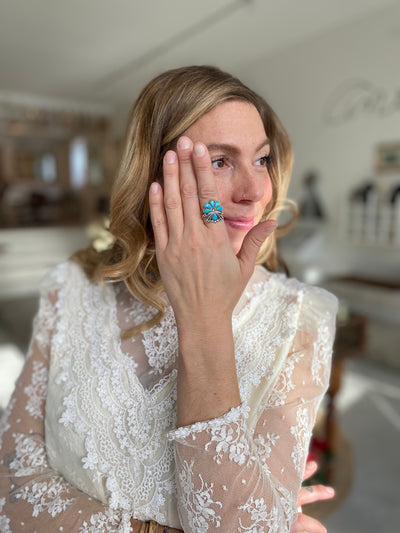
[231, 148]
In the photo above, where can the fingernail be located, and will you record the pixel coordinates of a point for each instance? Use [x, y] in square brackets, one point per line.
[199, 149]
[170, 157]
[184, 143]
[154, 188]
[330, 490]
[270, 226]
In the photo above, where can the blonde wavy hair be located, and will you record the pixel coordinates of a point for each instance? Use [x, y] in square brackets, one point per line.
[164, 110]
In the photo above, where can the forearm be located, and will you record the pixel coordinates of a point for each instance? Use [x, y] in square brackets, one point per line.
[223, 479]
[207, 380]
[34, 496]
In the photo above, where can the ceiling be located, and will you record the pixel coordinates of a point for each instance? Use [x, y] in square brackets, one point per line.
[101, 52]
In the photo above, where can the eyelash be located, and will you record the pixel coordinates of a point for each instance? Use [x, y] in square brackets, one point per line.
[267, 158]
[217, 159]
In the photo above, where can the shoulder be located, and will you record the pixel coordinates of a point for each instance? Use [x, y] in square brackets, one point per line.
[311, 297]
[61, 276]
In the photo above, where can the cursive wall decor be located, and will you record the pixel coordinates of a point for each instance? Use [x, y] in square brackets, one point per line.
[359, 97]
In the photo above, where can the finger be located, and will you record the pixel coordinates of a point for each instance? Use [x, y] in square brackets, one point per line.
[252, 243]
[172, 195]
[311, 468]
[157, 216]
[188, 182]
[207, 188]
[314, 493]
[305, 523]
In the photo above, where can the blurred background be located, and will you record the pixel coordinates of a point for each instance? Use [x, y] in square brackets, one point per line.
[69, 72]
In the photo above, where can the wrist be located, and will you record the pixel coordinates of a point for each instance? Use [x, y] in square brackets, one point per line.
[207, 380]
[202, 331]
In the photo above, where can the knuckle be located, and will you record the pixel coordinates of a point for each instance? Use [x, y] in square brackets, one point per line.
[169, 174]
[207, 191]
[185, 155]
[193, 242]
[172, 203]
[188, 191]
[256, 240]
[220, 239]
[203, 165]
[158, 223]
[154, 200]
[175, 255]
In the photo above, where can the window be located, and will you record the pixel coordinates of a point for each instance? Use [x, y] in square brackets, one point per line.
[78, 162]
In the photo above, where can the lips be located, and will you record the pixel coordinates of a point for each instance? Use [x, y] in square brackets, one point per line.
[242, 224]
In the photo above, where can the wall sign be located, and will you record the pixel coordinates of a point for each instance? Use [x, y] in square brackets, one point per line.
[359, 97]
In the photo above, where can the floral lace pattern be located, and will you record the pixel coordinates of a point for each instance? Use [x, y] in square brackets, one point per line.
[4, 520]
[45, 496]
[30, 455]
[112, 450]
[302, 433]
[36, 391]
[197, 499]
[285, 383]
[320, 364]
[261, 516]
[264, 446]
[123, 427]
[231, 416]
[285, 304]
[100, 522]
[161, 349]
[231, 440]
[4, 424]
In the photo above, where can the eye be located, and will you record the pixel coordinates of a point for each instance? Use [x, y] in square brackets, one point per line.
[264, 161]
[220, 162]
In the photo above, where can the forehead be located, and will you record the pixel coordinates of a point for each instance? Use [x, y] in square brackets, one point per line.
[233, 120]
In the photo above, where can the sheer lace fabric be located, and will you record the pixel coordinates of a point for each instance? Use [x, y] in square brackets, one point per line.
[90, 439]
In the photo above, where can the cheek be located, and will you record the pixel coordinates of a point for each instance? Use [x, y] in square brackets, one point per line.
[224, 192]
[268, 188]
[267, 196]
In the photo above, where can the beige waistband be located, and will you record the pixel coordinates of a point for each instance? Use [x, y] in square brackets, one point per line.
[149, 527]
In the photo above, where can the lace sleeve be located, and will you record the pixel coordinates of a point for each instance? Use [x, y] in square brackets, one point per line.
[33, 497]
[232, 477]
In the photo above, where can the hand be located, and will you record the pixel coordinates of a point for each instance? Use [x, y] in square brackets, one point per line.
[200, 272]
[203, 279]
[313, 493]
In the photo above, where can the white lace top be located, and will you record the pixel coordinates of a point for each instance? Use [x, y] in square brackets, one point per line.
[89, 438]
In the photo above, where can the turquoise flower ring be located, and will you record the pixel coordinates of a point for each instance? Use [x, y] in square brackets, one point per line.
[213, 212]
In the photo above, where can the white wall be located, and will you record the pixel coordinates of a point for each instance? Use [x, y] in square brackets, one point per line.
[300, 81]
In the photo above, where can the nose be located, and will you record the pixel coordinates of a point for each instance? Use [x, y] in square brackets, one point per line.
[249, 185]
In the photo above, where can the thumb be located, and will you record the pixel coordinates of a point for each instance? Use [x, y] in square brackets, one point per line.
[252, 243]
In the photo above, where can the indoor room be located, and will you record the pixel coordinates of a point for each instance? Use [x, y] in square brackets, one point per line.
[69, 73]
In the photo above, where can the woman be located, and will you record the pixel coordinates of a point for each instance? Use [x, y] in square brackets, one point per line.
[169, 380]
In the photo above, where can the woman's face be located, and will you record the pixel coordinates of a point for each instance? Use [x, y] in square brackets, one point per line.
[239, 149]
